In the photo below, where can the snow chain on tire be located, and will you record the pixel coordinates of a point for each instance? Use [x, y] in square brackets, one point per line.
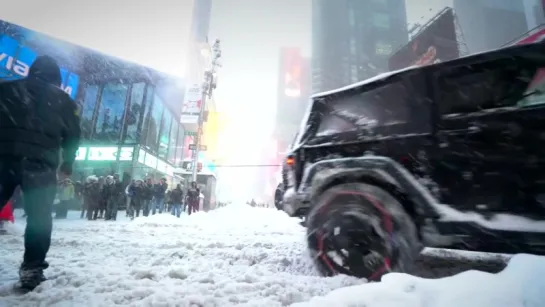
[384, 232]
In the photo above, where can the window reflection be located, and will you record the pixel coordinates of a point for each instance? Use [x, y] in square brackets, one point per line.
[89, 103]
[135, 110]
[164, 134]
[148, 106]
[171, 155]
[110, 114]
[152, 135]
[180, 145]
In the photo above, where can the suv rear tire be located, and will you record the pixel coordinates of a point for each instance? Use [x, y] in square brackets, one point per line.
[361, 230]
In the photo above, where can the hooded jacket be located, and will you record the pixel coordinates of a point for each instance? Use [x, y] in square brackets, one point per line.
[37, 118]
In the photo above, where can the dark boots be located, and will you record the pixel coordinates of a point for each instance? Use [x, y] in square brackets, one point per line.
[32, 275]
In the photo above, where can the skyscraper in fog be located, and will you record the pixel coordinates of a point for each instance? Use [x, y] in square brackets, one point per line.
[535, 12]
[353, 39]
[489, 24]
[200, 26]
[202, 10]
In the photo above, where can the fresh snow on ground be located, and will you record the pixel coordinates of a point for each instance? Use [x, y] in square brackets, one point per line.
[234, 256]
[519, 285]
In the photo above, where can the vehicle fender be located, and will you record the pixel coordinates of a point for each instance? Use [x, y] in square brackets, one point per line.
[380, 171]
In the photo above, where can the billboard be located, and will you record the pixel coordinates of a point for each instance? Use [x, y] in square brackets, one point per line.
[16, 59]
[435, 43]
[533, 36]
[191, 107]
[291, 72]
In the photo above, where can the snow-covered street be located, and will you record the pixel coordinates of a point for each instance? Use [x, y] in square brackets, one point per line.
[234, 256]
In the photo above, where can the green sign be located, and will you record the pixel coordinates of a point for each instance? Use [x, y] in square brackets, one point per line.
[189, 133]
[110, 153]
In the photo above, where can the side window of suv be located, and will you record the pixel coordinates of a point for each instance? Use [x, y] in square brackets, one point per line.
[383, 106]
[536, 91]
[492, 85]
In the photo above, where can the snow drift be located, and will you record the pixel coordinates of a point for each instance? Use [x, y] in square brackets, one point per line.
[519, 285]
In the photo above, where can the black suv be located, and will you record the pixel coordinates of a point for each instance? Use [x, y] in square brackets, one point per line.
[448, 155]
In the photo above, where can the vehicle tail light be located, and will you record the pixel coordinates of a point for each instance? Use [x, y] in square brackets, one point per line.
[290, 176]
[290, 161]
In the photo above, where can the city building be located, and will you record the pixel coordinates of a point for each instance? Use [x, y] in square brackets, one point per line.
[535, 13]
[353, 39]
[199, 49]
[200, 23]
[489, 24]
[128, 115]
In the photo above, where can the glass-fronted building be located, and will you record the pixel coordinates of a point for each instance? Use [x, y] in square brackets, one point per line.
[352, 40]
[128, 128]
[128, 112]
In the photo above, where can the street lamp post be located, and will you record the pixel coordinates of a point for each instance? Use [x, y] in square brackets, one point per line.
[208, 87]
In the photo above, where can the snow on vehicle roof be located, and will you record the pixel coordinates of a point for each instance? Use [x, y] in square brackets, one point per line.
[379, 77]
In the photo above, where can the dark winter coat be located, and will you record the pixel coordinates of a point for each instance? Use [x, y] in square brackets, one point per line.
[92, 194]
[110, 192]
[37, 118]
[159, 190]
[118, 189]
[137, 192]
[193, 194]
[147, 191]
[176, 196]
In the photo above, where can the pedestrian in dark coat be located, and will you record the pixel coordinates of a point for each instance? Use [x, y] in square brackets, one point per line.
[37, 120]
[176, 199]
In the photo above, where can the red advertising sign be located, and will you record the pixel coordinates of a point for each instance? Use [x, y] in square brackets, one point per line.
[292, 72]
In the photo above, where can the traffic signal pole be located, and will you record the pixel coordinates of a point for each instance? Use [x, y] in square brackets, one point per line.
[208, 87]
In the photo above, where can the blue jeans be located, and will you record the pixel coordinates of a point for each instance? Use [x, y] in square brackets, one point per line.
[176, 209]
[157, 204]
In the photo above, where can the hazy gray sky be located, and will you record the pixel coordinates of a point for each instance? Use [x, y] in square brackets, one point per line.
[155, 33]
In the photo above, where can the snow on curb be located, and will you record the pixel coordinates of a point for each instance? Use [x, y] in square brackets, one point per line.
[519, 285]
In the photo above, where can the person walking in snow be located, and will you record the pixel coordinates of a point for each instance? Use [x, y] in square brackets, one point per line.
[37, 120]
[176, 198]
[111, 197]
[91, 197]
[193, 197]
[119, 193]
[128, 195]
[137, 192]
[102, 200]
[66, 196]
[147, 197]
[159, 190]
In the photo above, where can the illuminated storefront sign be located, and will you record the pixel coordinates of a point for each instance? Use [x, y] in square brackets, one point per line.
[109, 153]
[81, 154]
[152, 161]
